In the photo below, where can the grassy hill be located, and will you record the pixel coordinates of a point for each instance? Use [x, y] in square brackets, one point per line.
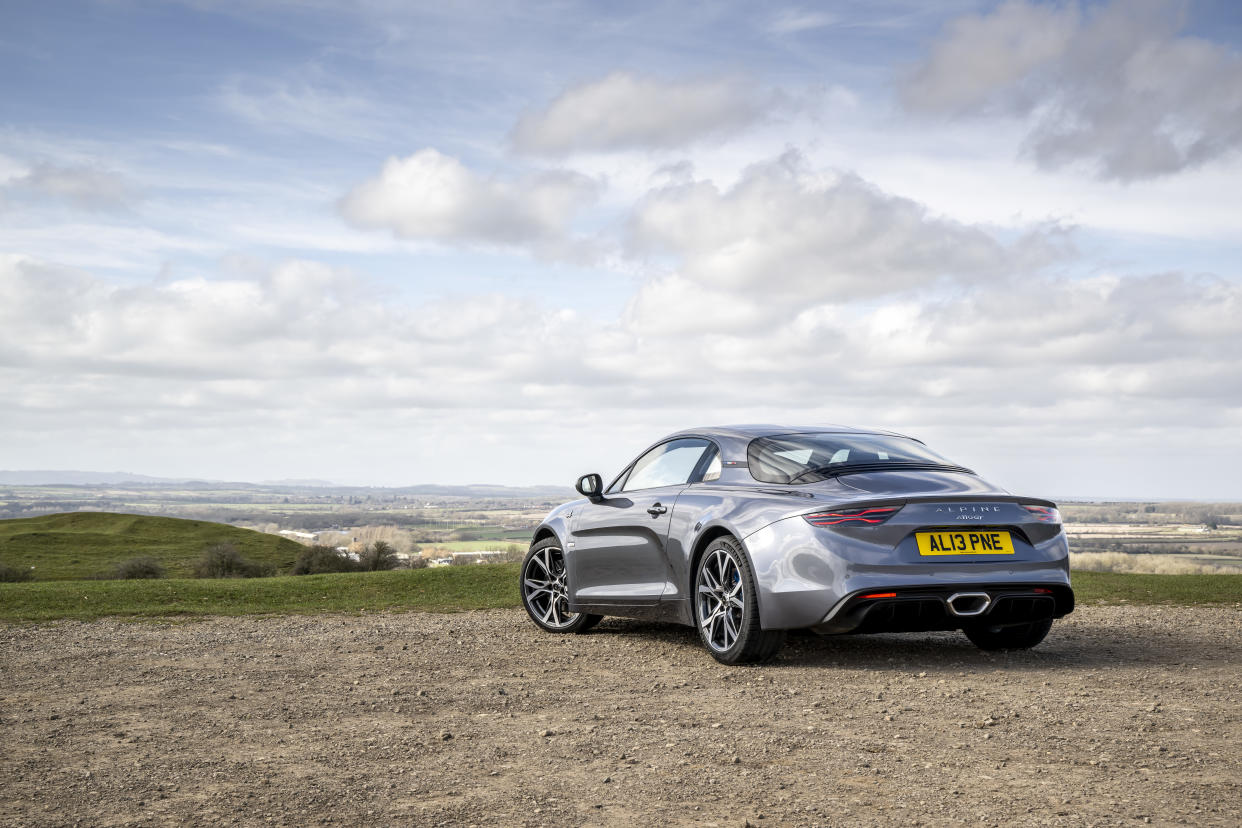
[81, 544]
[450, 589]
[447, 589]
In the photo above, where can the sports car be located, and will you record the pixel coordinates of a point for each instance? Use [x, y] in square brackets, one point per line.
[745, 532]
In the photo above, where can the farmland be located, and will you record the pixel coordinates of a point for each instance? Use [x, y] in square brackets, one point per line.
[436, 521]
[1162, 538]
[430, 520]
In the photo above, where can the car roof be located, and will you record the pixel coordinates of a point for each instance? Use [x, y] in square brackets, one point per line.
[752, 430]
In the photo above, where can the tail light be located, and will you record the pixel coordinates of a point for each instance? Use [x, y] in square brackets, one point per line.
[1044, 514]
[852, 517]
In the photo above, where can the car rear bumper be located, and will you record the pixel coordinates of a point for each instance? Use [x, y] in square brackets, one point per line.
[808, 576]
[921, 609]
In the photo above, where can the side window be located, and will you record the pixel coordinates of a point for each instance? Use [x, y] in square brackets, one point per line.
[618, 483]
[668, 464]
[713, 469]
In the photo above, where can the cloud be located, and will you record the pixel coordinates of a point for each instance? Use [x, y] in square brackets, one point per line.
[435, 197]
[300, 358]
[623, 111]
[785, 237]
[90, 188]
[1115, 87]
[793, 20]
[1043, 345]
[316, 106]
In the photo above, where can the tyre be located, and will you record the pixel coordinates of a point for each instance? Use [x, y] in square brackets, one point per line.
[726, 611]
[1017, 637]
[545, 593]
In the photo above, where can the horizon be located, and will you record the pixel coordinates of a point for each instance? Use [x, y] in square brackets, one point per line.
[522, 241]
[545, 486]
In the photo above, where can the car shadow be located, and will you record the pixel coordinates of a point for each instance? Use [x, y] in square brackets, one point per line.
[1080, 646]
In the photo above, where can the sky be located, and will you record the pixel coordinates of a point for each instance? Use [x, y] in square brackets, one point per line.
[387, 243]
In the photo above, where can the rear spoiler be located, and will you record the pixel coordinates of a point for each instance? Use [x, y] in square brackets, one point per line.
[946, 498]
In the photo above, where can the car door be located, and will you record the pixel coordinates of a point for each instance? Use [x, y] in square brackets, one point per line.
[616, 552]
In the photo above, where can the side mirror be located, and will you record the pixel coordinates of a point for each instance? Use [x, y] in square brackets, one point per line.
[590, 485]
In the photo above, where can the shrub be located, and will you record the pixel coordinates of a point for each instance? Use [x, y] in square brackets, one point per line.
[13, 574]
[142, 567]
[222, 560]
[316, 560]
[378, 556]
[417, 561]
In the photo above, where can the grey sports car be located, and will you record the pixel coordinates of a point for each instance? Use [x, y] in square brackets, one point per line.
[745, 532]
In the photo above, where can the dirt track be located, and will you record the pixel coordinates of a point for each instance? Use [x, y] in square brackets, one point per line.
[1123, 715]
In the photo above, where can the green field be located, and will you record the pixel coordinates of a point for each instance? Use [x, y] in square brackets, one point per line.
[448, 589]
[1131, 588]
[77, 545]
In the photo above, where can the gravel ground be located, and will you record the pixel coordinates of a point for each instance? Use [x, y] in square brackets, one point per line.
[1124, 715]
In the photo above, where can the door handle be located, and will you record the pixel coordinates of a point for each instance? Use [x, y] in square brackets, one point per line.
[656, 510]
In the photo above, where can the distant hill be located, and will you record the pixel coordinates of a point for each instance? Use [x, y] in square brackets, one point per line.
[78, 545]
[90, 478]
[488, 490]
[68, 477]
[298, 482]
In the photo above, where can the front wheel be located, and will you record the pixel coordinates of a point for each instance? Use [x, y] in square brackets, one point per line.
[545, 593]
[726, 611]
[1017, 637]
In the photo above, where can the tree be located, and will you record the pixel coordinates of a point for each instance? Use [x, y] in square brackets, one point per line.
[378, 556]
[222, 560]
[316, 560]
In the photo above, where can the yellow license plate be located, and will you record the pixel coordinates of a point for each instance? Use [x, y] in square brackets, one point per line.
[964, 543]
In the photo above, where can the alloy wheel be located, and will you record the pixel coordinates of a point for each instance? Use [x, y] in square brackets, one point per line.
[545, 590]
[720, 599]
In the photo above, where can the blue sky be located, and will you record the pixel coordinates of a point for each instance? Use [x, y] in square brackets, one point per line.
[390, 242]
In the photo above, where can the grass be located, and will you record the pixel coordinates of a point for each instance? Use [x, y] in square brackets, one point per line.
[447, 589]
[1131, 588]
[81, 544]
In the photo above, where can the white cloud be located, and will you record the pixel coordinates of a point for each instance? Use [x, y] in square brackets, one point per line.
[625, 111]
[88, 187]
[785, 236]
[306, 359]
[432, 196]
[1116, 87]
[977, 56]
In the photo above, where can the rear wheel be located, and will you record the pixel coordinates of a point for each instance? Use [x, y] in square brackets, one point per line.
[726, 611]
[1017, 637]
[545, 593]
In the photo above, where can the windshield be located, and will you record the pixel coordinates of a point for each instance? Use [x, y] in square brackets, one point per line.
[807, 458]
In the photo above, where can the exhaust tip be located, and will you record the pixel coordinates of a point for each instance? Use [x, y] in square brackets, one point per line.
[968, 604]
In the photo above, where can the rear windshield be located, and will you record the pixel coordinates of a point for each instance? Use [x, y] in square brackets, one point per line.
[807, 458]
